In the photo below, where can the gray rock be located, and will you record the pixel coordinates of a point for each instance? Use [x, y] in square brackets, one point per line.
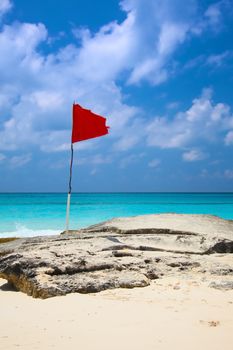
[223, 285]
[124, 252]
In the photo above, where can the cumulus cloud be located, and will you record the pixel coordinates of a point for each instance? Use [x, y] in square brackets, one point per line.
[165, 29]
[203, 121]
[141, 45]
[193, 155]
[37, 89]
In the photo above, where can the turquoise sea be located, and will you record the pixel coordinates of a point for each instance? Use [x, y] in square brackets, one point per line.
[29, 214]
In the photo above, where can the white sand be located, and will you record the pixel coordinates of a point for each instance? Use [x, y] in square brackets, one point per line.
[169, 314]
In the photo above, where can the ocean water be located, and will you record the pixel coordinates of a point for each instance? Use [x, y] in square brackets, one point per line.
[30, 214]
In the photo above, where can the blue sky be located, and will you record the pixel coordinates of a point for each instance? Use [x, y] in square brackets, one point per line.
[159, 70]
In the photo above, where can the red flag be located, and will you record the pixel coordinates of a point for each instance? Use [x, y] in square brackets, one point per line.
[87, 125]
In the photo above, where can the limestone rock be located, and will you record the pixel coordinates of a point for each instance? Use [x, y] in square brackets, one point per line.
[124, 252]
[223, 285]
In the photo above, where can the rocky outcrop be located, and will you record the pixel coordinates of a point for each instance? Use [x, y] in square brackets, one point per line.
[123, 252]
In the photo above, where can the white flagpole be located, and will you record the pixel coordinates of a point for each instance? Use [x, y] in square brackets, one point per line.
[70, 183]
[69, 193]
[68, 213]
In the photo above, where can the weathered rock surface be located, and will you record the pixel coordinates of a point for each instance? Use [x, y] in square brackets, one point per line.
[123, 252]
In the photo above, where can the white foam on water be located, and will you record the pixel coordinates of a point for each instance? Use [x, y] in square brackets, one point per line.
[23, 231]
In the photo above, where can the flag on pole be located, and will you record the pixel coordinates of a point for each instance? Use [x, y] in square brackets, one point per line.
[87, 125]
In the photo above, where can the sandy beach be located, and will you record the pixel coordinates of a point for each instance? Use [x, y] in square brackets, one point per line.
[170, 313]
[147, 282]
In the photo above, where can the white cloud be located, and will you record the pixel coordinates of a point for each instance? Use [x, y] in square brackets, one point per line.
[212, 18]
[19, 161]
[193, 155]
[59, 164]
[5, 6]
[159, 33]
[193, 62]
[38, 97]
[218, 59]
[38, 89]
[228, 174]
[214, 14]
[126, 142]
[18, 43]
[213, 60]
[111, 50]
[130, 136]
[173, 105]
[204, 121]
[154, 163]
[229, 138]
[2, 157]
[97, 159]
[131, 159]
[42, 115]
[157, 27]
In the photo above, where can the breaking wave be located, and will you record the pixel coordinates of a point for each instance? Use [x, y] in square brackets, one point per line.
[23, 231]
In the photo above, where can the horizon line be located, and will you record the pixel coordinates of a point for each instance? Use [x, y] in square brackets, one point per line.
[111, 192]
